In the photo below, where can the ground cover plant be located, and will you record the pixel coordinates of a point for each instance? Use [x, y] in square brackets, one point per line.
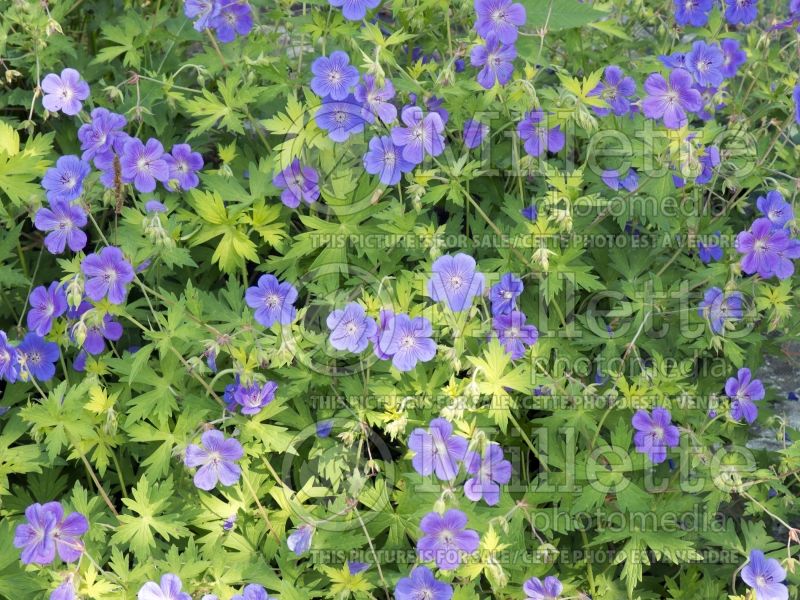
[400, 299]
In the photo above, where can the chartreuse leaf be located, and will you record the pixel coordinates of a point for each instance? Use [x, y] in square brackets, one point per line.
[60, 420]
[19, 168]
[17, 458]
[151, 513]
[496, 376]
[230, 225]
[345, 585]
[93, 585]
[228, 109]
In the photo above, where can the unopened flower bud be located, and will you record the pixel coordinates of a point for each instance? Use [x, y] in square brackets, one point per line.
[52, 27]
[79, 331]
[75, 291]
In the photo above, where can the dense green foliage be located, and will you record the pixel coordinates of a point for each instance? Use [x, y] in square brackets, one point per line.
[612, 280]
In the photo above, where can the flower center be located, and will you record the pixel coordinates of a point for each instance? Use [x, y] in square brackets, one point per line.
[351, 328]
[508, 295]
[272, 300]
[499, 15]
[109, 275]
[143, 164]
[407, 342]
[456, 281]
[340, 116]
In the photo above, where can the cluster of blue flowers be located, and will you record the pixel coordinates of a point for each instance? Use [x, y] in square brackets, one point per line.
[674, 97]
[440, 452]
[767, 246]
[398, 337]
[107, 274]
[125, 159]
[695, 86]
[170, 587]
[510, 324]
[496, 22]
[455, 282]
[35, 357]
[697, 12]
[119, 157]
[696, 82]
[406, 341]
[446, 540]
[349, 104]
[216, 459]
[228, 18]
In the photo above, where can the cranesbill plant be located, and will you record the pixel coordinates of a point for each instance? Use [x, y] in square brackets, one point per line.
[394, 299]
